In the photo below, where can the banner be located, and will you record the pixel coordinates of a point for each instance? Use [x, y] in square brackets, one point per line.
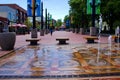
[30, 8]
[89, 7]
[67, 23]
[50, 17]
[38, 9]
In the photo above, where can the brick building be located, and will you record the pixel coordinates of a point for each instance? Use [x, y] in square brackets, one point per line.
[13, 13]
[3, 23]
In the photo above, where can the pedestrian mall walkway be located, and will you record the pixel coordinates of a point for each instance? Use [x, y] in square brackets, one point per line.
[77, 60]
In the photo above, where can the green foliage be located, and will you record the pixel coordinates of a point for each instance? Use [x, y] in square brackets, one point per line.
[38, 26]
[111, 12]
[66, 18]
[116, 23]
[58, 23]
[28, 23]
[77, 12]
[109, 9]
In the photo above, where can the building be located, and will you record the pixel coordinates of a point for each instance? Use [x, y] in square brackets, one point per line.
[13, 12]
[3, 23]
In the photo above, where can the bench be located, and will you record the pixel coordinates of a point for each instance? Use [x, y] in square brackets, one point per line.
[116, 38]
[90, 39]
[33, 41]
[62, 40]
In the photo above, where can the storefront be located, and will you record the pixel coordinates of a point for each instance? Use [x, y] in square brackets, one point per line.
[3, 24]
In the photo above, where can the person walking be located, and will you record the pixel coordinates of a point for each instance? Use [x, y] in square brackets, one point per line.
[51, 31]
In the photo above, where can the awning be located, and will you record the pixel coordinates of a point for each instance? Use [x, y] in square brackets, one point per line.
[17, 25]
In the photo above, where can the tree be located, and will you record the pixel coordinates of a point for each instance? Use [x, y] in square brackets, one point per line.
[58, 23]
[77, 12]
[66, 18]
[110, 11]
[28, 23]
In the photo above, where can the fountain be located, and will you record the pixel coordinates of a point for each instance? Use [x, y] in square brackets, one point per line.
[35, 53]
[101, 62]
[109, 46]
[98, 55]
[100, 27]
[98, 62]
[118, 38]
[38, 54]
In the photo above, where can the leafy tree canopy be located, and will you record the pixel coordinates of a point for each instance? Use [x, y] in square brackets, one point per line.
[58, 22]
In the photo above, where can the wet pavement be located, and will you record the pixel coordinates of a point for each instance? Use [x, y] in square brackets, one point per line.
[48, 39]
[68, 61]
[50, 61]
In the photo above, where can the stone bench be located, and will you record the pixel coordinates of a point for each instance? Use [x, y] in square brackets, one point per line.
[33, 41]
[90, 39]
[62, 40]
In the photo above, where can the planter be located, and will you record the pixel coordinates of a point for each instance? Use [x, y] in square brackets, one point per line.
[7, 40]
[93, 31]
[81, 31]
[73, 30]
[34, 33]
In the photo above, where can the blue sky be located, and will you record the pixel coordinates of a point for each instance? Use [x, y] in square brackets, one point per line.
[57, 8]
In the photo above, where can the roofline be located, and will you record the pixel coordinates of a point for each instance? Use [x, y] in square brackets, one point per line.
[3, 19]
[14, 6]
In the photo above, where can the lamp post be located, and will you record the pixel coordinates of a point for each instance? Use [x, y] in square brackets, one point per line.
[93, 5]
[82, 26]
[46, 27]
[93, 13]
[48, 21]
[33, 7]
[42, 31]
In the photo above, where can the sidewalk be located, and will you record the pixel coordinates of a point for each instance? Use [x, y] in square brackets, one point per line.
[47, 39]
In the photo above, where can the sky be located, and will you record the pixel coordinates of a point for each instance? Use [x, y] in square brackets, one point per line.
[57, 8]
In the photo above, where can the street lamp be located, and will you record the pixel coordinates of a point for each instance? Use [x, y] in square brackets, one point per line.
[42, 31]
[46, 20]
[33, 7]
[93, 5]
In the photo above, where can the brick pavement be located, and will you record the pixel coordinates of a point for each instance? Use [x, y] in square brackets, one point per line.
[48, 39]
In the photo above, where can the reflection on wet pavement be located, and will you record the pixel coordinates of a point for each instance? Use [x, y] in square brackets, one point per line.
[61, 61]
